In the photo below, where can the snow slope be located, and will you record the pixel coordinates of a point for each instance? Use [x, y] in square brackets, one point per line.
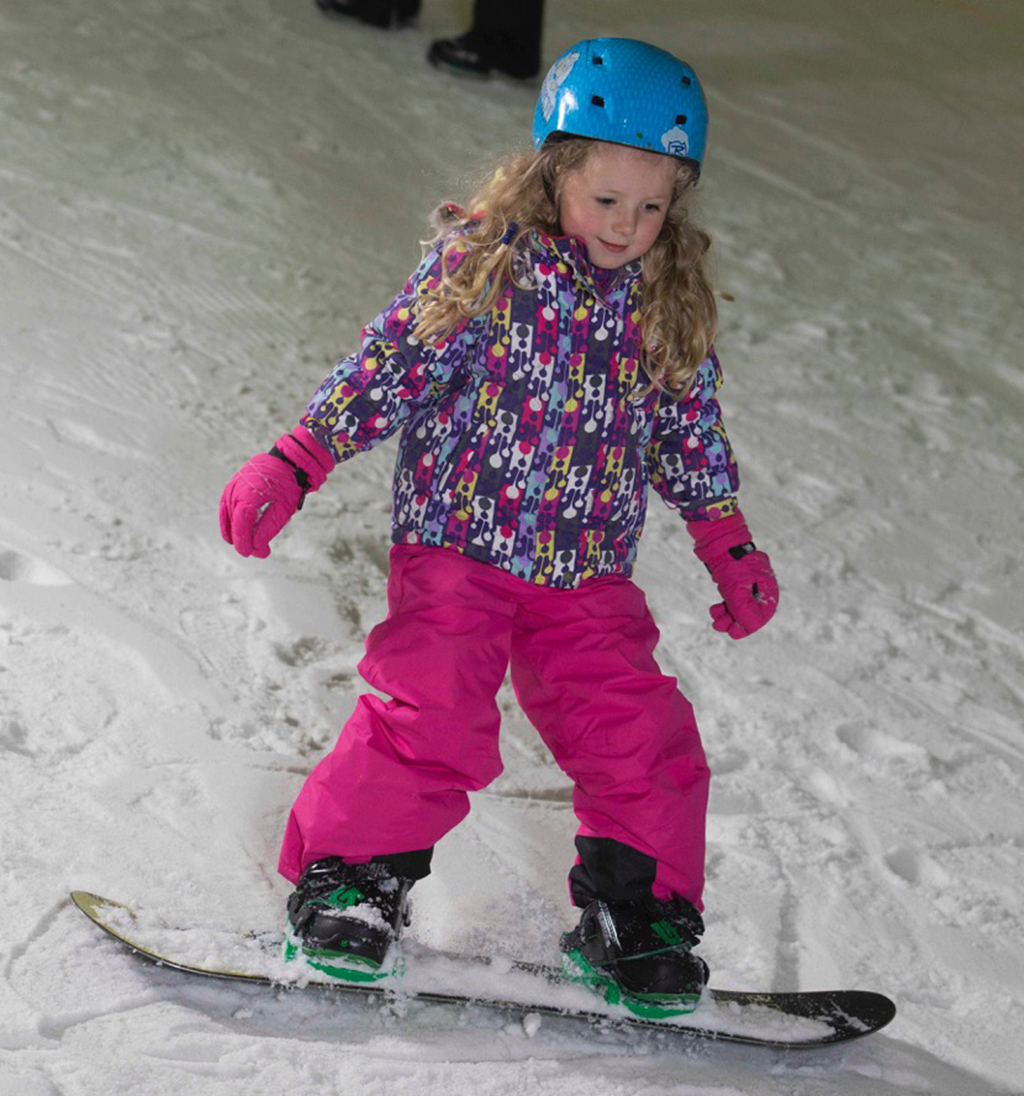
[200, 203]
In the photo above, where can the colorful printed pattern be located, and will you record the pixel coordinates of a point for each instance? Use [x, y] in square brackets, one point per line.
[523, 444]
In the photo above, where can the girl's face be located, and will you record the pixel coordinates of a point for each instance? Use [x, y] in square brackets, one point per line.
[616, 202]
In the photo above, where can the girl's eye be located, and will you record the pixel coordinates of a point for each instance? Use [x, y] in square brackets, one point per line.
[606, 201]
[652, 207]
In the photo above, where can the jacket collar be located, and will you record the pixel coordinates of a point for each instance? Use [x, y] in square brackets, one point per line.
[573, 251]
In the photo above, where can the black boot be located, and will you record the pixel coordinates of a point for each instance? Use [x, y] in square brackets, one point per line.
[638, 954]
[462, 56]
[501, 38]
[378, 13]
[478, 55]
[345, 918]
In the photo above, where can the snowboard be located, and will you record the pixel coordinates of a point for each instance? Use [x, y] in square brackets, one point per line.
[525, 990]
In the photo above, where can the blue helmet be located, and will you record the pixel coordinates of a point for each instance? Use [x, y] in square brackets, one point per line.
[625, 91]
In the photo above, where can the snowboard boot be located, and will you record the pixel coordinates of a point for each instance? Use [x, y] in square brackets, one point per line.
[638, 954]
[346, 917]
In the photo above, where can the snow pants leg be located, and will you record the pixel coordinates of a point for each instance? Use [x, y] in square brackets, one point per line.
[397, 779]
[583, 669]
[584, 672]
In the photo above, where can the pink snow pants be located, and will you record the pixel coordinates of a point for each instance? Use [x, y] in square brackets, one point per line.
[584, 673]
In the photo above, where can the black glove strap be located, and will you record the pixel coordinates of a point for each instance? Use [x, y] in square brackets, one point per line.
[738, 551]
[301, 477]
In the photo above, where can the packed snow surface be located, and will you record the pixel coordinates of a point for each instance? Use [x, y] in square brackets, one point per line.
[200, 204]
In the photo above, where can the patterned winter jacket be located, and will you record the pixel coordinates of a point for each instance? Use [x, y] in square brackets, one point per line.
[523, 442]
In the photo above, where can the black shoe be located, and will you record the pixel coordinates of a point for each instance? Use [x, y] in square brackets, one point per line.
[638, 954]
[378, 13]
[345, 918]
[461, 56]
[471, 56]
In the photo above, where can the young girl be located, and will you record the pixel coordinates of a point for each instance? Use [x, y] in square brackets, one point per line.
[549, 359]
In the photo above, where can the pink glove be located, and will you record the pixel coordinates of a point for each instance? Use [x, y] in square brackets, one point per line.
[743, 575]
[263, 495]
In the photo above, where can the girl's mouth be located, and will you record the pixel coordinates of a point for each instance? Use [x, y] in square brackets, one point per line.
[615, 249]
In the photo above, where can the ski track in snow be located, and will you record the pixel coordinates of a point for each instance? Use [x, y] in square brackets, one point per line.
[200, 204]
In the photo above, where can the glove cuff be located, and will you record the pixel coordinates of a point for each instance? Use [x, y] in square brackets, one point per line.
[308, 459]
[714, 539]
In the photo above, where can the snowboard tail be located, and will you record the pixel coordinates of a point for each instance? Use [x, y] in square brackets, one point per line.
[782, 1020]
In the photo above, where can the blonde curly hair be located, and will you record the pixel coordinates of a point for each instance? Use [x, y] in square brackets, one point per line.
[679, 315]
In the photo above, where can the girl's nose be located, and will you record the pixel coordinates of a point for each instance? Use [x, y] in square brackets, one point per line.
[625, 222]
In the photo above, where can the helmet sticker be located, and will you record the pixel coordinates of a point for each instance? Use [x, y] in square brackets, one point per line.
[554, 80]
[676, 142]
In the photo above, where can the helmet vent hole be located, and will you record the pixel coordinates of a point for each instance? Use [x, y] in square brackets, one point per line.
[597, 60]
[686, 81]
[597, 100]
[680, 119]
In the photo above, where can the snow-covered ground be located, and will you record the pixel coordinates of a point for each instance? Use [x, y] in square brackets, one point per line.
[200, 203]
